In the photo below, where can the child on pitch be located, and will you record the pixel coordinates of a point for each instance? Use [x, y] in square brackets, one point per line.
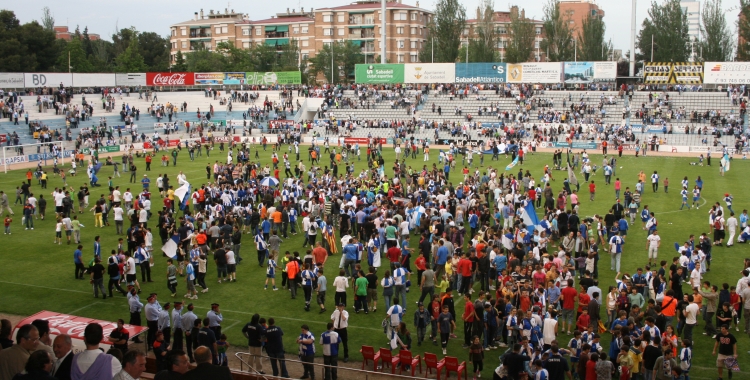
[271, 273]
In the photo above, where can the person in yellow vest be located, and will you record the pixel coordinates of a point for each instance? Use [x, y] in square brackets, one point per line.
[426, 153]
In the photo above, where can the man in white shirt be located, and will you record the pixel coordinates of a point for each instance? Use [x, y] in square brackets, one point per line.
[93, 356]
[128, 198]
[118, 213]
[731, 224]
[340, 319]
[691, 314]
[116, 195]
[695, 276]
[653, 242]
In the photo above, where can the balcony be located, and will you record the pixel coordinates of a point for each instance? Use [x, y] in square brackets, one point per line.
[360, 33]
[360, 20]
[200, 33]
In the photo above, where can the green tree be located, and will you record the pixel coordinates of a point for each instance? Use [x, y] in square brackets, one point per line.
[48, 21]
[203, 60]
[74, 55]
[343, 55]
[743, 28]
[100, 57]
[26, 47]
[121, 40]
[717, 42]
[558, 38]
[668, 26]
[445, 32]
[179, 62]
[155, 51]
[87, 42]
[40, 44]
[263, 57]
[591, 45]
[483, 48]
[289, 57]
[131, 60]
[520, 38]
[236, 59]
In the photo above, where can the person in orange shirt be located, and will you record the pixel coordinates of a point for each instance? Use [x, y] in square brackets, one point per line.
[263, 212]
[276, 216]
[292, 268]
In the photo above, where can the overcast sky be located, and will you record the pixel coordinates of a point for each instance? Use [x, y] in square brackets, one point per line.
[105, 17]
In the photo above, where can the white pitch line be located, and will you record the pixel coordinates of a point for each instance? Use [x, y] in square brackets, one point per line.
[45, 287]
[87, 306]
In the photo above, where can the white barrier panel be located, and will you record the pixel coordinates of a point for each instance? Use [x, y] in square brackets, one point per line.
[726, 73]
[94, 80]
[32, 80]
[130, 79]
[11, 80]
[429, 73]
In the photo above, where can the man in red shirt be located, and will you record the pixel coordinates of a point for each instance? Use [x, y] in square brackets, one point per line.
[583, 302]
[464, 269]
[468, 318]
[592, 190]
[320, 254]
[568, 296]
[394, 256]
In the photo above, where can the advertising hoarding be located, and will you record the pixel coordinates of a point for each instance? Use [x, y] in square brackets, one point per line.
[429, 73]
[209, 78]
[379, 73]
[130, 79]
[94, 80]
[535, 72]
[488, 72]
[726, 72]
[170, 79]
[273, 77]
[585, 72]
[672, 73]
[47, 79]
[11, 80]
[234, 78]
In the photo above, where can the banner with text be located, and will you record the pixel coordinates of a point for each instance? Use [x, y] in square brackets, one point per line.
[429, 73]
[488, 72]
[274, 77]
[32, 80]
[209, 78]
[379, 73]
[585, 72]
[535, 72]
[170, 79]
[672, 73]
[130, 79]
[726, 72]
[11, 80]
[234, 78]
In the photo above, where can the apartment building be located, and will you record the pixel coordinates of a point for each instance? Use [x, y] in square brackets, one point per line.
[359, 22]
[502, 24]
[575, 11]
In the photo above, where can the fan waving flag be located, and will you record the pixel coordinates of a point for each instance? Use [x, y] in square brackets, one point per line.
[183, 194]
[170, 247]
[330, 236]
[512, 164]
[529, 217]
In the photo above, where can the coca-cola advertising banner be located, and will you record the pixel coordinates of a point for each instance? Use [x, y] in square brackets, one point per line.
[170, 79]
[74, 326]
